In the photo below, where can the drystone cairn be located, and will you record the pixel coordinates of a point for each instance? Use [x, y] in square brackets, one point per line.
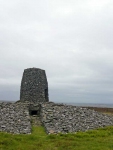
[14, 118]
[60, 118]
[56, 118]
[34, 86]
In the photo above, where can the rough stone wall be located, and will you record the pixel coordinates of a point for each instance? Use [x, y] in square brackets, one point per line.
[65, 118]
[34, 86]
[14, 118]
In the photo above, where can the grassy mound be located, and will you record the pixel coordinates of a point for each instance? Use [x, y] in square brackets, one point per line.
[101, 139]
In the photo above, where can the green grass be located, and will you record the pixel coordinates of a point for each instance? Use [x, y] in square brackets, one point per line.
[101, 139]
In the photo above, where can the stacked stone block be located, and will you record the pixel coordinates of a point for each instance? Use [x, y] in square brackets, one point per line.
[34, 86]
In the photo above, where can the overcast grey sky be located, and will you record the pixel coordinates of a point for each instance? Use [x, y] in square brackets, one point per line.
[71, 39]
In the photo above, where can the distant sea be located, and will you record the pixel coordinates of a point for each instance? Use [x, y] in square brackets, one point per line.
[92, 105]
[7, 101]
[79, 104]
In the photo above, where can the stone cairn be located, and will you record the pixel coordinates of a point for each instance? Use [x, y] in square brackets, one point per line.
[60, 118]
[34, 86]
[14, 118]
[56, 118]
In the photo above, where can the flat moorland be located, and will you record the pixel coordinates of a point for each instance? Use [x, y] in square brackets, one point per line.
[100, 139]
[102, 110]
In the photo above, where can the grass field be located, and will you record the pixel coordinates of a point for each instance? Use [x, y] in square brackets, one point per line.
[101, 139]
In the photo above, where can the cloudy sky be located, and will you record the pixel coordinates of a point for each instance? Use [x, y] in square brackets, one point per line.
[71, 39]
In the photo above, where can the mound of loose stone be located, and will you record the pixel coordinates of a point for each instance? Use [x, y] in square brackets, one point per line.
[56, 118]
[65, 118]
[14, 118]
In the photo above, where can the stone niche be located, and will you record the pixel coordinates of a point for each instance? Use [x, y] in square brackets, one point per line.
[34, 109]
[34, 86]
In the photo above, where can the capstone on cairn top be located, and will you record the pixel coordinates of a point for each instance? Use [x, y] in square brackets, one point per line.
[34, 86]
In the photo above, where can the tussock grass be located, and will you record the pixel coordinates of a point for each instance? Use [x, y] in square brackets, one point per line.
[100, 139]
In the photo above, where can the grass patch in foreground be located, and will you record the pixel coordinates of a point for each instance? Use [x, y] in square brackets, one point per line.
[101, 139]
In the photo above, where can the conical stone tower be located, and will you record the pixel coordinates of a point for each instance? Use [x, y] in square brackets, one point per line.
[34, 86]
